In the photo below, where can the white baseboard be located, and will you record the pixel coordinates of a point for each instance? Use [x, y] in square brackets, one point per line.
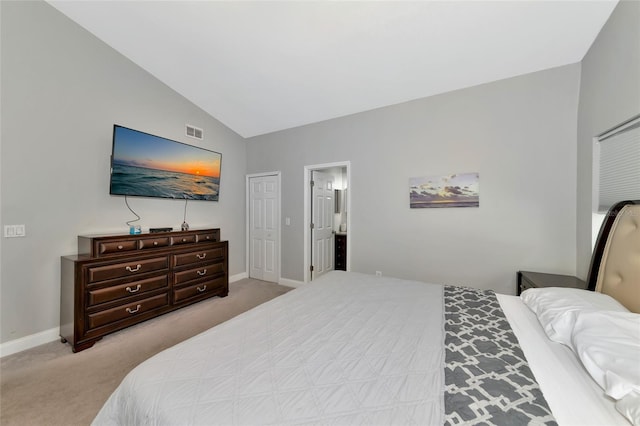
[283, 281]
[23, 343]
[290, 283]
[238, 277]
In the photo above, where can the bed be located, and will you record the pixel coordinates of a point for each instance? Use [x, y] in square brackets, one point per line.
[352, 348]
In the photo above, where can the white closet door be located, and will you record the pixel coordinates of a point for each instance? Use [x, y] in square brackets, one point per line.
[264, 222]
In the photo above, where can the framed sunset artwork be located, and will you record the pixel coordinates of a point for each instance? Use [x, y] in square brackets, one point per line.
[455, 190]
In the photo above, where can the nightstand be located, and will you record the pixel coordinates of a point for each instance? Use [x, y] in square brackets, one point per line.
[528, 279]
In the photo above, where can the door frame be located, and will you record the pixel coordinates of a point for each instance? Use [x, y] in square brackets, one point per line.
[307, 213]
[247, 255]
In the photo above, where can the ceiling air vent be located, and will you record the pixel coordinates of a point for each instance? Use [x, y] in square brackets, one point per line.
[194, 132]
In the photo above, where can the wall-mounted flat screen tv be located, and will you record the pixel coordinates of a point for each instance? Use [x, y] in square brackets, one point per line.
[145, 165]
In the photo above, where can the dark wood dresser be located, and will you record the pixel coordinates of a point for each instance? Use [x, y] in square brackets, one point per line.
[120, 280]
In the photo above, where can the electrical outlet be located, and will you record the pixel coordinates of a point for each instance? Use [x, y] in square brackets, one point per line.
[379, 273]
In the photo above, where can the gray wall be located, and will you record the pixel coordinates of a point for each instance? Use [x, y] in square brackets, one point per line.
[609, 95]
[520, 134]
[62, 91]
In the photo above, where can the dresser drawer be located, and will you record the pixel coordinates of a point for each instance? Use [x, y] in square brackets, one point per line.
[200, 289]
[198, 256]
[129, 310]
[208, 236]
[117, 246]
[116, 292]
[183, 239]
[207, 270]
[148, 243]
[126, 269]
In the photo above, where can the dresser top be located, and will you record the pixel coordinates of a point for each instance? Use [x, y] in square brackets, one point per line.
[147, 233]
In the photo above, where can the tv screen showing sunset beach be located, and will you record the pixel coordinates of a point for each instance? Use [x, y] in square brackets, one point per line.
[150, 166]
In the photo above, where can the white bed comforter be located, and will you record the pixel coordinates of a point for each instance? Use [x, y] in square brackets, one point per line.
[332, 352]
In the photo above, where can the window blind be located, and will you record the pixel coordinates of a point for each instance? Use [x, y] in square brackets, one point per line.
[619, 165]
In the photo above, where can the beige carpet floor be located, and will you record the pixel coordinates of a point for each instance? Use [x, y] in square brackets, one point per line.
[50, 385]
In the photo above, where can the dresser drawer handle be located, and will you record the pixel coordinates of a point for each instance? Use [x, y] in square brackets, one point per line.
[201, 256]
[155, 243]
[133, 290]
[133, 311]
[201, 290]
[120, 247]
[202, 273]
[184, 240]
[136, 269]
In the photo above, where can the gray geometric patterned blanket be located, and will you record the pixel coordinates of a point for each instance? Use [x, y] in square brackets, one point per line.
[487, 377]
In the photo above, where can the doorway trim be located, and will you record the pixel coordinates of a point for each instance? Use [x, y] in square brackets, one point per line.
[247, 203]
[307, 213]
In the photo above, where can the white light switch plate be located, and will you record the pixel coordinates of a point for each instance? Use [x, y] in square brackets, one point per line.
[12, 231]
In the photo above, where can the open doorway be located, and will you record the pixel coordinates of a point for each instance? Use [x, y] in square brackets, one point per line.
[327, 219]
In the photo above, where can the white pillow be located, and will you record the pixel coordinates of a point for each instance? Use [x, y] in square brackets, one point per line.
[629, 406]
[556, 308]
[608, 344]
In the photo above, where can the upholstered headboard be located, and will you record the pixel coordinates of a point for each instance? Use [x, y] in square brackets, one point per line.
[615, 264]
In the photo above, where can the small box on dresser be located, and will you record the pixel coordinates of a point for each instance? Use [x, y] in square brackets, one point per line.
[120, 280]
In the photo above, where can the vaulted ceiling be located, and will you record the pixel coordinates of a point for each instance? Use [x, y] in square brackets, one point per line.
[264, 66]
